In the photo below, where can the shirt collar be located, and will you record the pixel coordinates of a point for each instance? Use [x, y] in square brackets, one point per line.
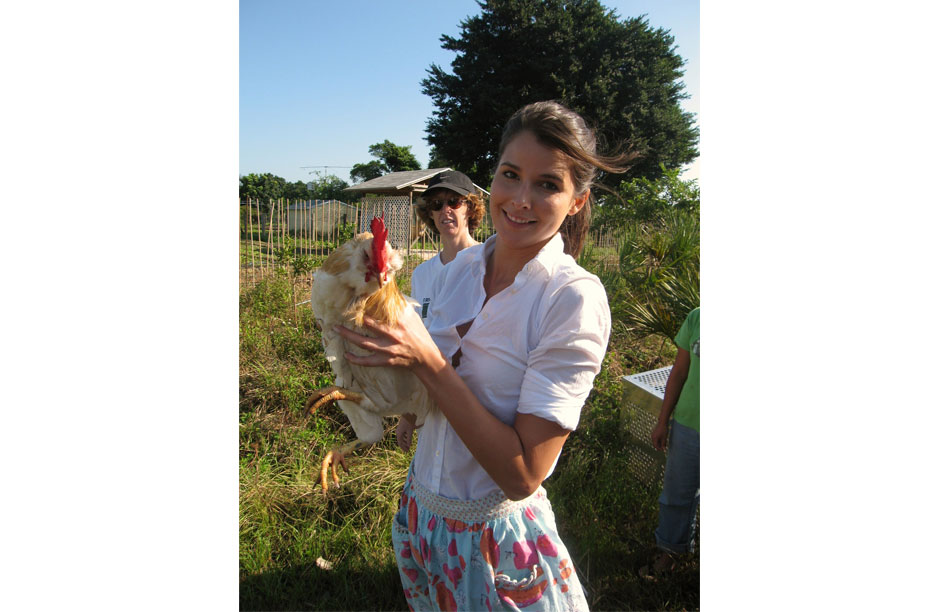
[547, 258]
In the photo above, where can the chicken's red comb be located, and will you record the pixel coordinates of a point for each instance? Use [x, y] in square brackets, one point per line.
[379, 235]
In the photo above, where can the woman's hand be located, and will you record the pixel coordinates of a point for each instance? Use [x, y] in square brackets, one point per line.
[406, 345]
[403, 431]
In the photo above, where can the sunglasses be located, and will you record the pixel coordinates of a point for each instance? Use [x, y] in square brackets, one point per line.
[454, 203]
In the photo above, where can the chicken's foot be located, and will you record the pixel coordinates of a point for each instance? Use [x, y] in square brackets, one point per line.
[338, 455]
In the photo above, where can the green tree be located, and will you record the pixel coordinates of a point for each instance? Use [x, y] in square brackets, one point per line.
[326, 187]
[396, 158]
[367, 171]
[296, 191]
[262, 187]
[436, 161]
[390, 157]
[645, 199]
[621, 75]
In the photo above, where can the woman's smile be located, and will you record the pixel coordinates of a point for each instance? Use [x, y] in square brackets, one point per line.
[518, 220]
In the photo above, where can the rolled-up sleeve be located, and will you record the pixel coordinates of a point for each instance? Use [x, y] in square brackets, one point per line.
[573, 335]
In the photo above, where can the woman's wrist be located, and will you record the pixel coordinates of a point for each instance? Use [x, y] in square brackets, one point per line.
[432, 365]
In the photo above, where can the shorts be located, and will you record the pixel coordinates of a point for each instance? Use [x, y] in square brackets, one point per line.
[487, 554]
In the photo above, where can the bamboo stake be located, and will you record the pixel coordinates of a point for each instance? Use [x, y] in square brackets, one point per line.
[258, 204]
[270, 245]
[270, 233]
[251, 238]
[272, 206]
[277, 234]
[260, 260]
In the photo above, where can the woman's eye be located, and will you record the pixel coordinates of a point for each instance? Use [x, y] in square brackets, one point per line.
[509, 174]
[548, 186]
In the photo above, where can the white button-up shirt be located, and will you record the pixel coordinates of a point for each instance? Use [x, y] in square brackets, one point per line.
[424, 283]
[534, 349]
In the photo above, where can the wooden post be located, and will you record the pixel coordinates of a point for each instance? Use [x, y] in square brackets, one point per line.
[270, 234]
[251, 242]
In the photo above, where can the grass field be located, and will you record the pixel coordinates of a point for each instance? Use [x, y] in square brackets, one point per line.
[302, 550]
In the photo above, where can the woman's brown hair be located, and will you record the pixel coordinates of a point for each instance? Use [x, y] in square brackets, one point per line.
[558, 127]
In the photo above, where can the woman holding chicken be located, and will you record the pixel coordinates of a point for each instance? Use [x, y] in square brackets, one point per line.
[516, 335]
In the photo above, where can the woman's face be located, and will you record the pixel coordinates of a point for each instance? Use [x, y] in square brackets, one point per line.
[532, 193]
[450, 222]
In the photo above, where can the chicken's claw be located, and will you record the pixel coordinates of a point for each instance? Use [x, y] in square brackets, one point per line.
[337, 455]
[329, 462]
[321, 397]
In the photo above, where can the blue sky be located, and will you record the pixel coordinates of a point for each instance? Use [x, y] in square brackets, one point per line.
[320, 81]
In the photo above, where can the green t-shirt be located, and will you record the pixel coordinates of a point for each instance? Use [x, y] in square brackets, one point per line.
[686, 411]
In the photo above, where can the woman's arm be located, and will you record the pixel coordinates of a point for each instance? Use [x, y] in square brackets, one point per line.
[517, 457]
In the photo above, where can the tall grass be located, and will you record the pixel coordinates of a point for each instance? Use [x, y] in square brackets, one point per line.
[301, 550]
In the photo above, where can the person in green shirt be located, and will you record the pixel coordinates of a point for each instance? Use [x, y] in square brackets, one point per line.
[679, 500]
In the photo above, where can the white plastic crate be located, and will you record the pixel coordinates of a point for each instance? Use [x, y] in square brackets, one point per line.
[639, 411]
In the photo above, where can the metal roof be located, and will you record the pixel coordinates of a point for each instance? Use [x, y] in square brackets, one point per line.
[414, 181]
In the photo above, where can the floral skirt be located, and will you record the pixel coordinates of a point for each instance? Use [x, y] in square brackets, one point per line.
[486, 554]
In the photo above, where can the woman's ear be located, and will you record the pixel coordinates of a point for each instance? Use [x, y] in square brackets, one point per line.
[578, 203]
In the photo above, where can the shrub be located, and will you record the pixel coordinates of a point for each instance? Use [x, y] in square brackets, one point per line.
[653, 282]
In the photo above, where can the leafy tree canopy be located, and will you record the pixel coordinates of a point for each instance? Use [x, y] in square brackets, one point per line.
[263, 187]
[326, 187]
[367, 171]
[621, 75]
[647, 200]
[396, 158]
[389, 158]
[266, 187]
[436, 161]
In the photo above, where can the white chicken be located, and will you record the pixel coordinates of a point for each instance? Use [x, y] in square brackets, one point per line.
[358, 279]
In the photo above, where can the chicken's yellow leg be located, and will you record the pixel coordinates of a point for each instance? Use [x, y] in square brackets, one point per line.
[316, 401]
[338, 455]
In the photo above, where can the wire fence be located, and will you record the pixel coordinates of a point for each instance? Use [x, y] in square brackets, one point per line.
[296, 236]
